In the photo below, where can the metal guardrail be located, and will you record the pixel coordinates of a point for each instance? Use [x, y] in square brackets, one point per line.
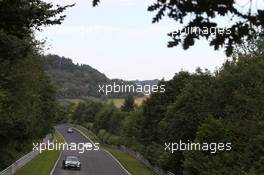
[23, 160]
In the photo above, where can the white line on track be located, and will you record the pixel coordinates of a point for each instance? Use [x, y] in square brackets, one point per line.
[59, 155]
[104, 151]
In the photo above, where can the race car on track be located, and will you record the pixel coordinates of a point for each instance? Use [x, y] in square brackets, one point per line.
[71, 162]
[70, 130]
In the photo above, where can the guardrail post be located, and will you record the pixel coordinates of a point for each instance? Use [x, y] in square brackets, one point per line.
[13, 168]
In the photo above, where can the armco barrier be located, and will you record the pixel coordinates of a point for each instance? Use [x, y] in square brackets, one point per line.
[23, 160]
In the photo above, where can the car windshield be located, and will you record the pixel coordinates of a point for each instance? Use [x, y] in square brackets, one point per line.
[71, 158]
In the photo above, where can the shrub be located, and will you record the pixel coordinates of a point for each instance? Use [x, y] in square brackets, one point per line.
[106, 137]
[89, 126]
[101, 133]
[113, 140]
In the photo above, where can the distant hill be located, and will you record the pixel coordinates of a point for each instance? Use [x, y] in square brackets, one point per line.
[81, 81]
[73, 80]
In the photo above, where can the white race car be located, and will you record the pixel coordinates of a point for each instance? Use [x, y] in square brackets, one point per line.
[70, 130]
[71, 162]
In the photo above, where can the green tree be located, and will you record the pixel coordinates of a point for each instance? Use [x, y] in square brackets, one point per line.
[129, 104]
[27, 97]
[131, 128]
[203, 162]
[252, 48]
[103, 117]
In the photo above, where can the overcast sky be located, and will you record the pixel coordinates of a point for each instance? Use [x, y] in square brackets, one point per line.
[118, 39]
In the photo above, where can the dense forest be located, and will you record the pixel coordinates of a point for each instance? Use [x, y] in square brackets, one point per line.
[73, 80]
[28, 104]
[82, 81]
[224, 106]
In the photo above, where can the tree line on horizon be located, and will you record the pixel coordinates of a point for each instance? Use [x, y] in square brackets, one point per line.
[81, 81]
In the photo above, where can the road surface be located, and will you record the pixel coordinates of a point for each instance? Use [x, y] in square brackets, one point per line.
[93, 162]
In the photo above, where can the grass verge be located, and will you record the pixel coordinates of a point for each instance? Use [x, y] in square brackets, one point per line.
[43, 163]
[130, 163]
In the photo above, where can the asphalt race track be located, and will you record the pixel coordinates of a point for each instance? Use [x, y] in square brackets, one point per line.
[92, 162]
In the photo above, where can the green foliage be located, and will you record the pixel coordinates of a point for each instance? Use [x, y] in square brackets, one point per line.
[27, 96]
[73, 80]
[196, 162]
[86, 112]
[253, 48]
[129, 104]
[19, 17]
[89, 125]
[81, 81]
[113, 140]
[101, 120]
[205, 12]
[101, 134]
[28, 107]
[237, 161]
[132, 127]
[201, 107]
